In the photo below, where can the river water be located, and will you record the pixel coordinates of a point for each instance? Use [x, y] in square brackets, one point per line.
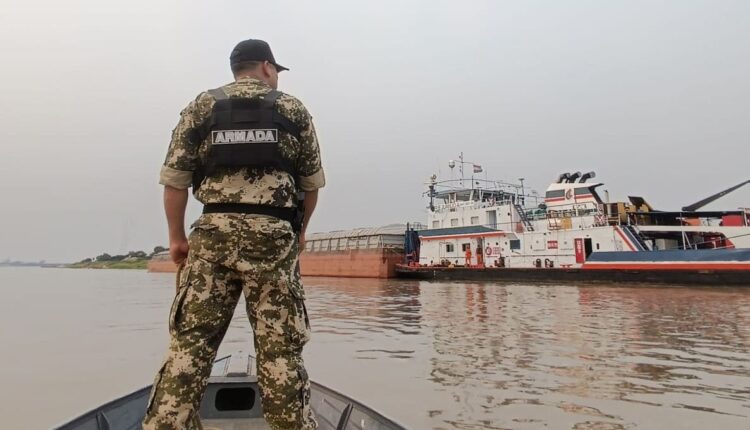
[431, 355]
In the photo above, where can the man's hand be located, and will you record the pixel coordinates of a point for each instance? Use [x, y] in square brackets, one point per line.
[175, 201]
[178, 250]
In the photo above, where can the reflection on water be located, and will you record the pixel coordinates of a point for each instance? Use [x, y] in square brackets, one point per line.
[520, 356]
[432, 355]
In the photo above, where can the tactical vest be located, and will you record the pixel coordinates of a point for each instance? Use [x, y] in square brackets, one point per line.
[244, 133]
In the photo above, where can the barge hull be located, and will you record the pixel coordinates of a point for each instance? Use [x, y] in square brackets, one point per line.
[355, 263]
[161, 266]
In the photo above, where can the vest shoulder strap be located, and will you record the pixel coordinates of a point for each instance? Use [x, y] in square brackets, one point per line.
[269, 100]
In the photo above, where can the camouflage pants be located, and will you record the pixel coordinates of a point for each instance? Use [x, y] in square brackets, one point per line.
[232, 254]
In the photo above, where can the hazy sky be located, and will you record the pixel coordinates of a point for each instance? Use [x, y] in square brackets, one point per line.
[652, 95]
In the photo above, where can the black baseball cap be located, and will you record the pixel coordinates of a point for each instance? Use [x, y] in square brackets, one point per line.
[253, 50]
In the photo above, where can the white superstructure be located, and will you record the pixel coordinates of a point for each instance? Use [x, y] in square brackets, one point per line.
[505, 227]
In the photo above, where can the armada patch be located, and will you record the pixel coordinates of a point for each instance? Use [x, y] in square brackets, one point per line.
[245, 136]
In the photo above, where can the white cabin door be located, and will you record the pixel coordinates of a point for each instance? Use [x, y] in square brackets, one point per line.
[491, 219]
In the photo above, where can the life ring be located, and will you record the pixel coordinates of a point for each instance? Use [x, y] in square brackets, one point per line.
[488, 250]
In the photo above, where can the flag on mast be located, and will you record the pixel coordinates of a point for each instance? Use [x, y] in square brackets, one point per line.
[477, 168]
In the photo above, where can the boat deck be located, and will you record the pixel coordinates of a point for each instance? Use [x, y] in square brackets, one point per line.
[232, 402]
[233, 424]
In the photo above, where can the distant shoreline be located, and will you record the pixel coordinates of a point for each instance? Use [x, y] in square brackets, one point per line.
[133, 260]
[42, 265]
[135, 264]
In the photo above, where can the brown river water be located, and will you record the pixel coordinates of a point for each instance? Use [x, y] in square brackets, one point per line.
[432, 355]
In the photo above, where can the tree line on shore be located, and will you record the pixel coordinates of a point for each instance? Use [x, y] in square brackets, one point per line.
[130, 256]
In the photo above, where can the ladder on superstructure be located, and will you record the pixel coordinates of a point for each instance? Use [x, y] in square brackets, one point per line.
[522, 213]
[637, 237]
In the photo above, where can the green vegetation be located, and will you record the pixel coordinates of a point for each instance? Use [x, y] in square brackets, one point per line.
[130, 264]
[131, 260]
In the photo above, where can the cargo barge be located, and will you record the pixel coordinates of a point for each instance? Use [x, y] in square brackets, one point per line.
[161, 263]
[357, 253]
[482, 229]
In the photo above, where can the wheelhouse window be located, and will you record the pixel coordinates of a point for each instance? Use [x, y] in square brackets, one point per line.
[449, 247]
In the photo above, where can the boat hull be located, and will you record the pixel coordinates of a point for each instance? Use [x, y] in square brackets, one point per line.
[577, 275]
[232, 402]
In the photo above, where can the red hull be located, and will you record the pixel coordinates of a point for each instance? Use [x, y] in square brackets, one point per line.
[354, 263]
[161, 265]
[362, 263]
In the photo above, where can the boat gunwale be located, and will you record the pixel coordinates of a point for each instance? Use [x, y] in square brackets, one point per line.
[370, 412]
[92, 413]
[356, 403]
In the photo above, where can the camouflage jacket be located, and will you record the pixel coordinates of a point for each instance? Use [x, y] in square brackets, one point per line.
[255, 186]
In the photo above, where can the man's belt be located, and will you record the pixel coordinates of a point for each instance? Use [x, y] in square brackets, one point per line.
[286, 214]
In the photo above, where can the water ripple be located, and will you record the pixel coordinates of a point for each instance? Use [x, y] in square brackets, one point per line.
[521, 356]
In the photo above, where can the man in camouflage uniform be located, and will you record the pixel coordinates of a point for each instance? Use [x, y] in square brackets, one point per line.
[228, 254]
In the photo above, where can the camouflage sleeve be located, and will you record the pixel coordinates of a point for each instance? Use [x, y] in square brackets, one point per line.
[309, 165]
[182, 155]
[310, 168]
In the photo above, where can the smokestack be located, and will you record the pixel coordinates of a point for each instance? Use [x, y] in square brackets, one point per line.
[562, 178]
[587, 176]
[572, 178]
